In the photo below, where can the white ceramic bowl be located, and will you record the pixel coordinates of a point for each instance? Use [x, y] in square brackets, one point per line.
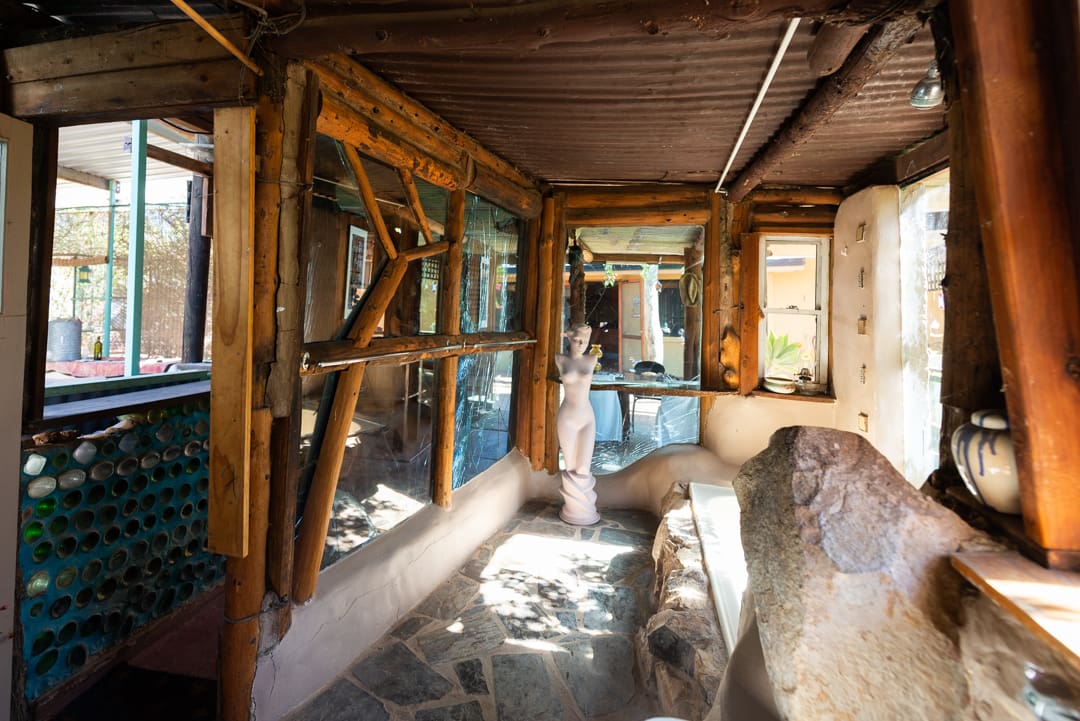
[779, 385]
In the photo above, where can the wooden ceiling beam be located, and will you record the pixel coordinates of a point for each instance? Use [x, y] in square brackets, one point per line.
[873, 54]
[831, 47]
[529, 26]
[177, 160]
[674, 214]
[82, 177]
[634, 196]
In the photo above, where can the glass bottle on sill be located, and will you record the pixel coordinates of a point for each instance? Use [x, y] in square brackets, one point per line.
[97, 349]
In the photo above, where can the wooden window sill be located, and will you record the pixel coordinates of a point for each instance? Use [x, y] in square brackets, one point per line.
[58, 415]
[1045, 602]
[761, 393]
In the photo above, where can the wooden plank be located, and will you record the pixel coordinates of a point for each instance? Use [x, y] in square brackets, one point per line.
[217, 36]
[170, 44]
[1012, 127]
[82, 177]
[544, 329]
[230, 394]
[872, 55]
[635, 196]
[797, 195]
[925, 158]
[281, 529]
[688, 214]
[39, 273]
[180, 161]
[372, 206]
[268, 152]
[197, 278]
[785, 215]
[417, 208]
[1045, 602]
[449, 324]
[751, 315]
[644, 258]
[135, 93]
[575, 258]
[692, 266]
[245, 584]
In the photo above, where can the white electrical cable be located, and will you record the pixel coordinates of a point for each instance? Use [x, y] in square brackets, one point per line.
[793, 24]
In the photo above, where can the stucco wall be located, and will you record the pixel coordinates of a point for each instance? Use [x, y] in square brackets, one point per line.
[739, 427]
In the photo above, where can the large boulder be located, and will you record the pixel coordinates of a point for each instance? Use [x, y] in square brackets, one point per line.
[856, 602]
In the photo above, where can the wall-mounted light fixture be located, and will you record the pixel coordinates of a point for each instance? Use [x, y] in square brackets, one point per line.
[927, 93]
[84, 274]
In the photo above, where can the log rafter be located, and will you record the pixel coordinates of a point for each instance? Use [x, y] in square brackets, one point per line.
[531, 26]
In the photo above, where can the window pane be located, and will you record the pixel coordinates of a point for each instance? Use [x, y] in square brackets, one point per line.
[791, 344]
[482, 415]
[489, 268]
[791, 275]
[385, 473]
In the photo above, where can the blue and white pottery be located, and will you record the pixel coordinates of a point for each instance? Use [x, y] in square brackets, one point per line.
[983, 452]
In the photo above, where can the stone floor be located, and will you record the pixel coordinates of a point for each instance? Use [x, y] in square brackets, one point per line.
[538, 626]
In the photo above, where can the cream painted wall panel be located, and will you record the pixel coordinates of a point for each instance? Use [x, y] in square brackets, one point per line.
[877, 392]
[14, 255]
[739, 427]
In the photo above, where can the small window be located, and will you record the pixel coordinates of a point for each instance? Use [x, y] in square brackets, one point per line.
[360, 267]
[795, 302]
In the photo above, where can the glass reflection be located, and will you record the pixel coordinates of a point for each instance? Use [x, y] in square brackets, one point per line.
[483, 412]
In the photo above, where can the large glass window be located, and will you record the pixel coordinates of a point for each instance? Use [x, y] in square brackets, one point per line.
[795, 301]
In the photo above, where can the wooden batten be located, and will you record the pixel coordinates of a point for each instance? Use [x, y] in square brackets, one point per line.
[1013, 120]
[781, 216]
[797, 195]
[450, 324]
[426, 251]
[362, 109]
[751, 315]
[329, 356]
[180, 161]
[634, 196]
[245, 584]
[524, 380]
[674, 214]
[230, 389]
[831, 47]
[368, 196]
[161, 70]
[692, 264]
[417, 208]
[542, 357]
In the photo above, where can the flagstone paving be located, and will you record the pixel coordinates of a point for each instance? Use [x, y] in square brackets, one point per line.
[538, 626]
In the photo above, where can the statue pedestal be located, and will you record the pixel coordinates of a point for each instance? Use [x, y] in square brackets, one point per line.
[579, 499]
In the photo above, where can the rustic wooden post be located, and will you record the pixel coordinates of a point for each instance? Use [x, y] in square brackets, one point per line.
[713, 311]
[692, 267]
[544, 330]
[528, 286]
[1012, 127]
[750, 314]
[198, 274]
[555, 308]
[42, 218]
[449, 324]
[575, 258]
[231, 384]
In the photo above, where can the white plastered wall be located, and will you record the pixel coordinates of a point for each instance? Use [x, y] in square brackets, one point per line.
[739, 427]
[878, 393]
[14, 259]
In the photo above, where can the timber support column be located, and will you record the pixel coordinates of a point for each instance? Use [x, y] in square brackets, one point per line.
[449, 324]
[1013, 118]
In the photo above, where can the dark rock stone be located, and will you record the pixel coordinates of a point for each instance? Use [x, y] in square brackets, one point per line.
[639, 521]
[612, 609]
[550, 529]
[568, 619]
[342, 702]
[470, 711]
[523, 690]
[532, 508]
[627, 564]
[471, 675]
[475, 568]
[599, 673]
[587, 534]
[449, 598]
[670, 648]
[408, 628]
[619, 537]
[396, 674]
[479, 633]
[528, 621]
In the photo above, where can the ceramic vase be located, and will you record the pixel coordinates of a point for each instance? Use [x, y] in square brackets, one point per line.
[983, 452]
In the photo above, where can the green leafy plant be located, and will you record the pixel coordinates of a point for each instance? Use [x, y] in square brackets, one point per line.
[781, 356]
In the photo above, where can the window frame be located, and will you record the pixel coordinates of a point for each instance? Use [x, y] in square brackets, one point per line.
[822, 295]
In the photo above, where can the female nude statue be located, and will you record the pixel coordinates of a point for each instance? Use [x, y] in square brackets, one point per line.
[576, 426]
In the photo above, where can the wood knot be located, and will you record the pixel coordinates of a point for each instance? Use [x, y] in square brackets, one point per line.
[1072, 367]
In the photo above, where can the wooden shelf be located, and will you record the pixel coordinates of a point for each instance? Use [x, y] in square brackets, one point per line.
[1046, 602]
[793, 397]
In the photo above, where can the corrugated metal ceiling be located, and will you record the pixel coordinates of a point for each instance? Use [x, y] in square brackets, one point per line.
[656, 108]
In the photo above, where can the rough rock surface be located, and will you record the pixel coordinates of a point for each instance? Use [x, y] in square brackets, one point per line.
[681, 649]
[857, 604]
